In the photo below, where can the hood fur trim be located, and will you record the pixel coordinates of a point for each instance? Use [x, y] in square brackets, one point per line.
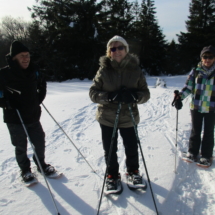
[130, 60]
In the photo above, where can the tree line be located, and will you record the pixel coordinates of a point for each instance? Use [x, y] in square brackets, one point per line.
[67, 37]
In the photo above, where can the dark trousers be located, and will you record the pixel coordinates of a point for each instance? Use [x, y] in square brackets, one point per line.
[19, 140]
[130, 144]
[207, 141]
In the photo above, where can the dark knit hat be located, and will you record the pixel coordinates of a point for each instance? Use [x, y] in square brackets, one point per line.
[16, 48]
[210, 49]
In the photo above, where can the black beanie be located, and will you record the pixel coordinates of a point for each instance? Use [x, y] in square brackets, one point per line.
[16, 48]
[210, 49]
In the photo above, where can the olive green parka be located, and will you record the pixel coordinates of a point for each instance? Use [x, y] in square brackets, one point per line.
[112, 76]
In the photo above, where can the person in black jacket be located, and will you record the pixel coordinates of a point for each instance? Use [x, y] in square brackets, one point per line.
[23, 88]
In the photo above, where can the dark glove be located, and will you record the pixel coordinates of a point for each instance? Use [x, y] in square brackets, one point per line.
[114, 96]
[177, 102]
[129, 96]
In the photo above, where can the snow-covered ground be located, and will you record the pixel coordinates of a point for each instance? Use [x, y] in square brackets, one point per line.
[190, 191]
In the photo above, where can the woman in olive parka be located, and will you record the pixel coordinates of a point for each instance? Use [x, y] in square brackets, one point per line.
[119, 79]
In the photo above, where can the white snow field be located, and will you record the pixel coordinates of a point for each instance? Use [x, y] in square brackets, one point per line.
[189, 192]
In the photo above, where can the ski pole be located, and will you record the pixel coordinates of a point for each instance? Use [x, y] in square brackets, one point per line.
[68, 137]
[110, 152]
[38, 161]
[138, 141]
[176, 138]
[178, 105]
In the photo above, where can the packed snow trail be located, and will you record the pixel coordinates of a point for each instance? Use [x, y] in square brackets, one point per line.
[77, 192]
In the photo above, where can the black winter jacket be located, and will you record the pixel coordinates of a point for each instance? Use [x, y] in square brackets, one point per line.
[24, 90]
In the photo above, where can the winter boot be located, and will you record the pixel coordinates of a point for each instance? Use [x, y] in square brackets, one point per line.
[189, 157]
[204, 162]
[135, 180]
[47, 169]
[27, 175]
[113, 184]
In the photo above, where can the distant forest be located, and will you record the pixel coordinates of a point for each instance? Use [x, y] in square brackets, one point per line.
[67, 37]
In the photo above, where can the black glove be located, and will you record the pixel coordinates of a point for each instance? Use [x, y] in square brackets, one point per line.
[129, 96]
[114, 96]
[177, 102]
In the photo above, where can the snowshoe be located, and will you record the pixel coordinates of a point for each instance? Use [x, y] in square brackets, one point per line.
[189, 157]
[50, 171]
[204, 162]
[113, 185]
[28, 178]
[135, 181]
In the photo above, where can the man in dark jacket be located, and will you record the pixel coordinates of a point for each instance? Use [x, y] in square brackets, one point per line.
[23, 88]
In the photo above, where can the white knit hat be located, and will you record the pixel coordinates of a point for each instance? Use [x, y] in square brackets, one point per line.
[118, 39]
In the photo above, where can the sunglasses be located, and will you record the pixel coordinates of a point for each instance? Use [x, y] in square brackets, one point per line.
[207, 57]
[120, 48]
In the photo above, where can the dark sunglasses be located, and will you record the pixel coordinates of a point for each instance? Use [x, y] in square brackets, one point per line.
[120, 48]
[207, 57]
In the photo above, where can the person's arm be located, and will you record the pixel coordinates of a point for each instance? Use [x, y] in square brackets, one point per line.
[189, 85]
[96, 93]
[41, 88]
[143, 93]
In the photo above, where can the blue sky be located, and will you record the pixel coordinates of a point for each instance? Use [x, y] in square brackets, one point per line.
[171, 14]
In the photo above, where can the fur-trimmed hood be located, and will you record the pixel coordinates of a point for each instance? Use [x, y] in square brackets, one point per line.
[131, 61]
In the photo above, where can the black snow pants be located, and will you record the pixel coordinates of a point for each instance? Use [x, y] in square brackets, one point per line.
[207, 140]
[130, 144]
[19, 140]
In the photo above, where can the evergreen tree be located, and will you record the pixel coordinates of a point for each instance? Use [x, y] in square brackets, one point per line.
[117, 20]
[120, 17]
[72, 35]
[172, 59]
[133, 36]
[52, 20]
[136, 10]
[200, 32]
[153, 44]
[70, 28]
[39, 48]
